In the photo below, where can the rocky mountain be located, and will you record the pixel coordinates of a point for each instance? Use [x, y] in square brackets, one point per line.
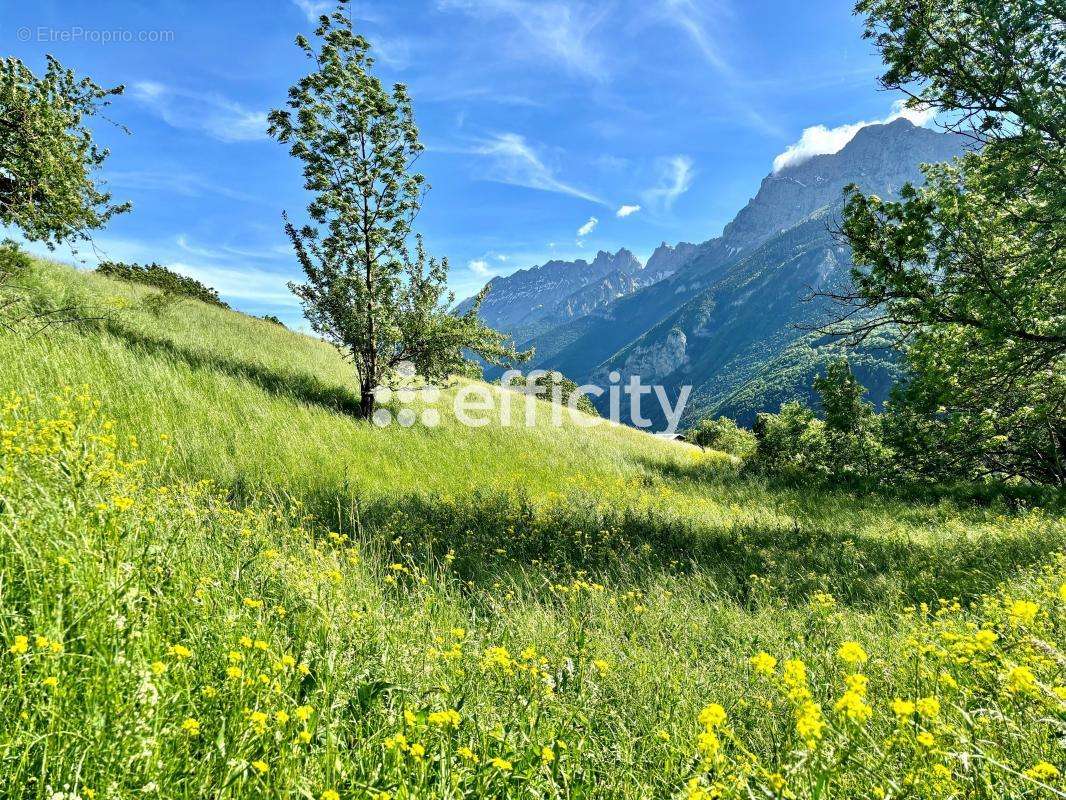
[727, 316]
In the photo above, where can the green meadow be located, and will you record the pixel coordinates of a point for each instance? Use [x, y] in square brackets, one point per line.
[215, 582]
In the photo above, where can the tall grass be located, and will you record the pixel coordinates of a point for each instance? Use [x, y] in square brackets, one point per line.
[215, 583]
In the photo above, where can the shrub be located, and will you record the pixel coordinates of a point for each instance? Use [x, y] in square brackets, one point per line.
[556, 387]
[725, 435]
[160, 277]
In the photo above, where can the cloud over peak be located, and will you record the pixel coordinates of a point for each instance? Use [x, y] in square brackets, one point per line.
[819, 140]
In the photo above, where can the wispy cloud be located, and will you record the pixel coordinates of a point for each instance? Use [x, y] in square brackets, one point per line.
[210, 113]
[626, 211]
[514, 161]
[313, 9]
[556, 29]
[675, 178]
[698, 20]
[182, 183]
[588, 227]
[819, 140]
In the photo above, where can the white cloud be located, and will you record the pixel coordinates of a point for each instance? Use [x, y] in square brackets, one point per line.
[627, 211]
[515, 161]
[588, 227]
[560, 29]
[819, 140]
[210, 113]
[480, 266]
[675, 178]
[241, 284]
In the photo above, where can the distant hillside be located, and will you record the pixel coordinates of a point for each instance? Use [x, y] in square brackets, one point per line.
[726, 317]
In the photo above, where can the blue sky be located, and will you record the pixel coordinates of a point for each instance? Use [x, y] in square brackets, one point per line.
[547, 122]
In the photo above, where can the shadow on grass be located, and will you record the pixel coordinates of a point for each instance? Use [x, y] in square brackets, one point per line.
[1011, 497]
[489, 536]
[297, 386]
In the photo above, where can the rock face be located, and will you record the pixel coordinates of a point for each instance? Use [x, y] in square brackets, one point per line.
[726, 317]
[558, 290]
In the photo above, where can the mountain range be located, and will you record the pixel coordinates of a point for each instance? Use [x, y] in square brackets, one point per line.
[727, 316]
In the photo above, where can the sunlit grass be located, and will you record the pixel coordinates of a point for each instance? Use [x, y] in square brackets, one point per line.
[472, 612]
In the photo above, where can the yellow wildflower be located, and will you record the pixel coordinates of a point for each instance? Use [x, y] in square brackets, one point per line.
[712, 716]
[330, 794]
[928, 707]
[1022, 612]
[852, 653]
[763, 663]
[1042, 771]
[502, 764]
[20, 645]
[180, 652]
[547, 755]
[191, 726]
[261, 767]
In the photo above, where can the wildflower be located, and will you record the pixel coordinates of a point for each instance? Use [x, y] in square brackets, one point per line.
[712, 716]
[763, 663]
[417, 750]
[984, 639]
[502, 764]
[601, 666]
[158, 667]
[303, 713]
[281, 717]
[499, 658]
[928, 707]
[444, 718]
[708, 743]
[852, 653]
[547, 755]
[459, 633]
[251, 602]
[809, 722]
[235, 657]
[468, 754]
[20, 646]
[41, 642]
[1021, 680]
[51, 682]
[852, 705]
[180, 652]
[258, 720]
[234, 672]
[303, 737]
[1042, 771]
[903, 709]
[259, 644]
[663, 735]
[926, 740]
[1022, 612]
[122, 503]
[246, 641]
[191, 726]
[330, 794]
[261, 767]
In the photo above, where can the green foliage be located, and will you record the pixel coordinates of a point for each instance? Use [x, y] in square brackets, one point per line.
[273, 320]
[366, 292]
[160, 277]
[47, 153]
[13, 262]
[971, 268]
[724, 435]
[846, 446]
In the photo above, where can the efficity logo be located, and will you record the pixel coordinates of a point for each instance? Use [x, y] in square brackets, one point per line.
[514, 402]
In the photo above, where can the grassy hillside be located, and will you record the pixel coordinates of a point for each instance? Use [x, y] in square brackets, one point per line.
[214, 582]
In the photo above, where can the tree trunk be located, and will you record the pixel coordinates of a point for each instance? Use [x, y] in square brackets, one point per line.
[366, 401]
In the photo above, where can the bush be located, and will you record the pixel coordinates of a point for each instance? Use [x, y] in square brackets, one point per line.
[160, 277]
[725, 435]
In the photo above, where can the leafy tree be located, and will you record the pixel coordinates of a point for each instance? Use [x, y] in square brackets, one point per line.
[366, 291]
[159, 277]
[970, 270]
[47, 153]
[13, 262]
[723, 434]
[852, 429]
